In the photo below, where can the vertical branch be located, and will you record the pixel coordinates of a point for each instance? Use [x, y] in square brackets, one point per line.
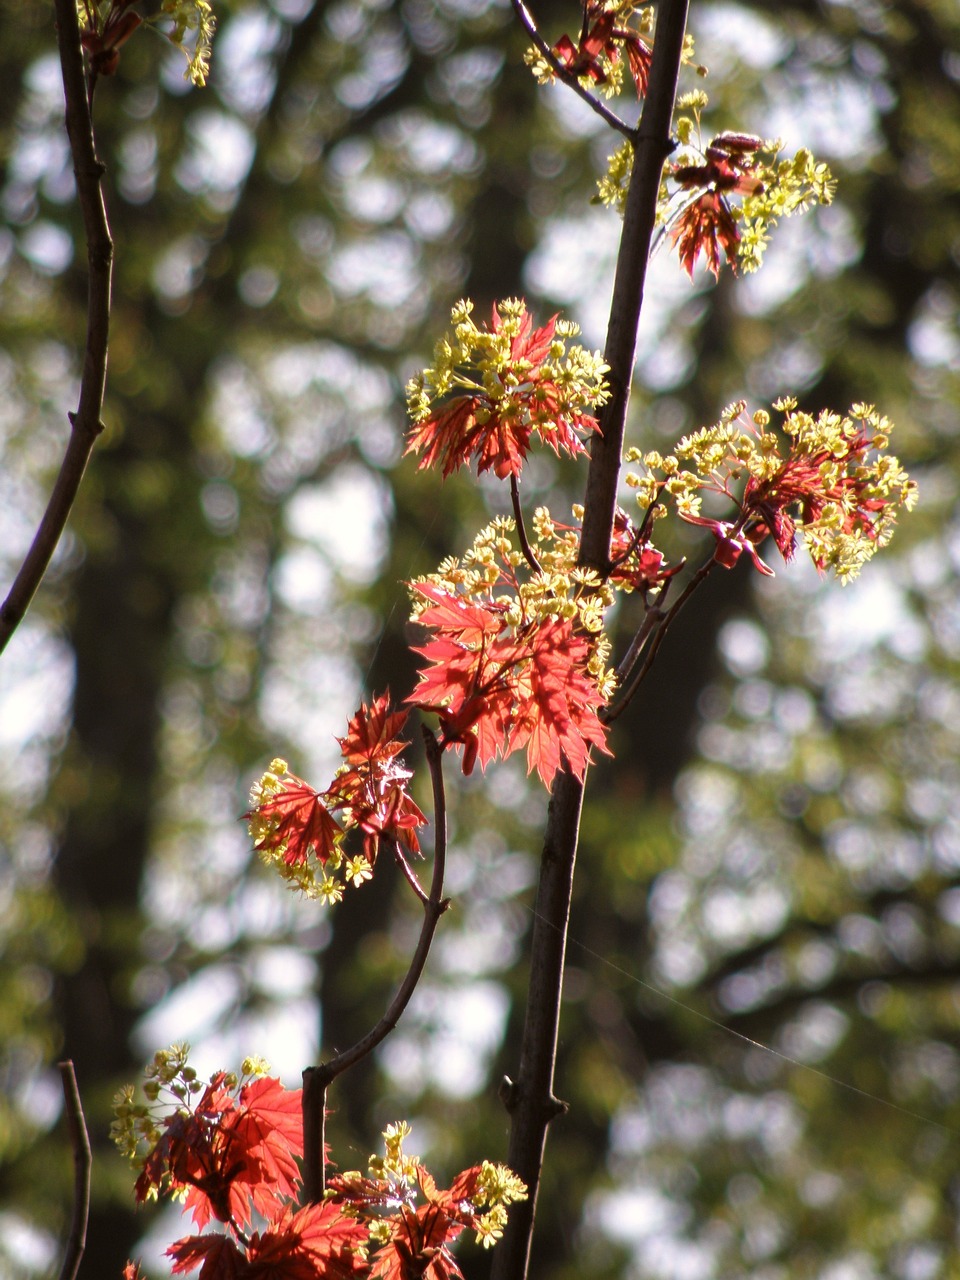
[85, 424]
[82, 1161]
[316, 1080]
[531, 1100]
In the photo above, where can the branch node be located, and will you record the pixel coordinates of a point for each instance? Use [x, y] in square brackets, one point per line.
[555, 1107]
[509, 1093]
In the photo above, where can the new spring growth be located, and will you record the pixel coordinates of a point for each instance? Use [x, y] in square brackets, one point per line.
[722, 198]
[490, 389]
[106, 26]
[827, 479]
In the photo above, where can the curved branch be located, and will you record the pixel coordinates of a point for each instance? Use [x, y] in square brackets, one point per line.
[82, 1162]
[316, 1080]
[568, 78]
[85, 424]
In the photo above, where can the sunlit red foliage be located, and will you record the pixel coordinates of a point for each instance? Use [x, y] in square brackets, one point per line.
[373, 787]
[291, 820]
[602, 38]
[497, 691]
[232, 1153]
[706, 224]
[304, 1244]
[296, 821]
[496, 426]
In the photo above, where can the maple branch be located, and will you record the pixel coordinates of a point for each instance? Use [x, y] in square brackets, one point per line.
[531, 1100]
[82, 1163]
[664, 621]
[317, 1079]
[85, 424]
[525, 547]
[653, 615]
[568, 78]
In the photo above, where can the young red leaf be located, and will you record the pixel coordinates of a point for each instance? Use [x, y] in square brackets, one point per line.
[217, 1256]
[293, 821]
[305, 1244]
[516, 382]
[374, 790]
[506, 692]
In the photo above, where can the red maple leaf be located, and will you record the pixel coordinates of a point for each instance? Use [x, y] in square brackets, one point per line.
[217, 1255]
[319, 1240]
[602, 38]
[557, 703]
[304, 1244]
[374, 788]
[496, 429]
[231, 1154]
[496, 692]
[297, 822]
[706, 224]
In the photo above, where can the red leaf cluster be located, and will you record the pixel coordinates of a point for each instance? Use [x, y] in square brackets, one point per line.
[369, 793]
[418, 1234]
[304, 1244]
[233, 1153]
[498, 690]
[799, 484]
[373, 786]
[602, 38]
[706, 224]
[497, 429]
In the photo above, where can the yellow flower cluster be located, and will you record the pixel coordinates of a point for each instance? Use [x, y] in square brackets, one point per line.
[479, 361]
[195, 16]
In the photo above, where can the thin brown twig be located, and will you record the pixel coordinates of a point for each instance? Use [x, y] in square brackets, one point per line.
[568, 78]
[82, 1163]
[409, 873]
[317, 1079]
[85, 424]
[666, 619]
[528, 552]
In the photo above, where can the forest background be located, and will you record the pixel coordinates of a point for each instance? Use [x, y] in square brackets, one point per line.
[775, 846]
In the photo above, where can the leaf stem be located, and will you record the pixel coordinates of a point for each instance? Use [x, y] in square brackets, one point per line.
[82, 1164]
[664, 622]
[317, 1079]
[525, 547]
[85, 424]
